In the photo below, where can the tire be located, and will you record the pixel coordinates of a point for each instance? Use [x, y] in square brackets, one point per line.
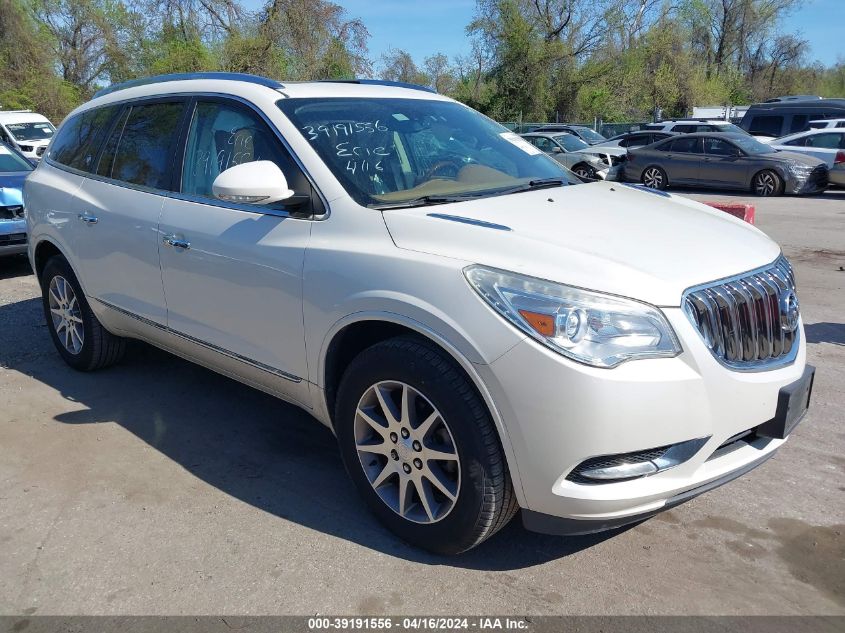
[767, 183]
[655, 177]
[584, 172]
[475, 475]
[82, 341]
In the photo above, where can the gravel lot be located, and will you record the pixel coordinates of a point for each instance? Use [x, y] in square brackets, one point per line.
[158, 487]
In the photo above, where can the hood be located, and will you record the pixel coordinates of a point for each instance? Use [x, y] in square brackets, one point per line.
[602, 236]
[795, 157]
[11, 185]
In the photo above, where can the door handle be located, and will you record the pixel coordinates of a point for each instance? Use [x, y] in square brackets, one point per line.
[88, 218]
[176, 242]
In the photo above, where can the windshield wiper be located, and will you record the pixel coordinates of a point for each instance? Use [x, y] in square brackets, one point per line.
[422, 201]
[541, 183]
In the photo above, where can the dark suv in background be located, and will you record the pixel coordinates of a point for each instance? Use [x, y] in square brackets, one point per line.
[780, 118]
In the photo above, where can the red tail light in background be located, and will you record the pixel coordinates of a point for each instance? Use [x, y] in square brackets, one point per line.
[840, 158]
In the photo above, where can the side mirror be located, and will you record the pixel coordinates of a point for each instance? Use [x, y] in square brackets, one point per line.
[557, 150]
[258, 182]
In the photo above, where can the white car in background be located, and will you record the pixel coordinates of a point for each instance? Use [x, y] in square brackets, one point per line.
[691, 126]
[820, 124]
[27, 131]
[480, 336]
[827, 143]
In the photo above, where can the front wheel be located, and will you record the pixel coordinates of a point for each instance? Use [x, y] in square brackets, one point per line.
[767, 183]
[421, 448]
[585, 172]
[655, 178]
[79, 337]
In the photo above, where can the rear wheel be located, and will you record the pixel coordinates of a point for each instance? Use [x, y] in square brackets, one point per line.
[421, 448]
[767, 183]
[79, 337]
[655, 178]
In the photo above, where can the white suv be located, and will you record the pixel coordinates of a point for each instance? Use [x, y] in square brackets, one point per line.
[480, 336]
[27, 131]
[692, 126]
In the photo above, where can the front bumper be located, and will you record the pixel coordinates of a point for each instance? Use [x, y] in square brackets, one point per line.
[814, 182]
[559, 413]
[12, 237]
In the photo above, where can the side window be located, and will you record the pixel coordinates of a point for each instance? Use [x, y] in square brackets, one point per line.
[798, 142]
[79, 140]
[140, 148]
[718, 147]
[840, 124]
[685, 129]
[831, 140]
[766, 125]
[542, 143]
[636, 141]
[798, 123]
[708, 128]
[687, 145]
[223, 135]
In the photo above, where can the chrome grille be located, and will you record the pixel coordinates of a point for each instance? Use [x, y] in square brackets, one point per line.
[748, 322]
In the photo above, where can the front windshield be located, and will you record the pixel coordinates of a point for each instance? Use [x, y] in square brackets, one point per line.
[751, 145]
[10, 161]
[389, 151]
[590, 135]
[571, 143]
[30, 131]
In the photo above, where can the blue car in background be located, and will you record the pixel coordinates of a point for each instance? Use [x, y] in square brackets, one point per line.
[14, 168]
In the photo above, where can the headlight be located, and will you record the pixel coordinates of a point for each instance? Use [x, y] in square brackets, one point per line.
[800, 170]
[589, 327]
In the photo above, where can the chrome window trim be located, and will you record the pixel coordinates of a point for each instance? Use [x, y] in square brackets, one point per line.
[201, 199]
[210, 346]
[747, 366]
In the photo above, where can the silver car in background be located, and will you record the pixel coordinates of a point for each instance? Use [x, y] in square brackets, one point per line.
[587, 162]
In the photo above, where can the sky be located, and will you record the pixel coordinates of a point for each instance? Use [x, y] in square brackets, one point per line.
[424, 27]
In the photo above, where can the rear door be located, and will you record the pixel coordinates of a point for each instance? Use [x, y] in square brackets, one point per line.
[683, 160]
[233, 272]
[117, 208]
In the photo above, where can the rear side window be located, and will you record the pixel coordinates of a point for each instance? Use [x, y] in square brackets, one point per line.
[637, 140]
[142, 146]
[685, 129]
[766, 125]
[78, 142]
[840, 124]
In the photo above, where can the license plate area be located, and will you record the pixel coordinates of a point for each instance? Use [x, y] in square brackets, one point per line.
[793, 402]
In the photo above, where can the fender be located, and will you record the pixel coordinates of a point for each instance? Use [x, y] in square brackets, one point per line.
[321, 406]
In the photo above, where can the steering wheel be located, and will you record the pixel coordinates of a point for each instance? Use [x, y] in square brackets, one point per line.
[443, 169]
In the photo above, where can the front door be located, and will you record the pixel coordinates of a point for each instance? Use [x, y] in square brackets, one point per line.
[233, 272]
[724, 163]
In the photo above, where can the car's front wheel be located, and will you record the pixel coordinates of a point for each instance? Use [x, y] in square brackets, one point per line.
[421, 448]
[585, 172]
[79, 337]
[767, 183]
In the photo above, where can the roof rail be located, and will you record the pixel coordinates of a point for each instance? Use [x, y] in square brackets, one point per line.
[145, 81]
[380, 82]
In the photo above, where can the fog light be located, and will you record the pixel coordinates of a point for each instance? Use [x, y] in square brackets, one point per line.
[624, 466]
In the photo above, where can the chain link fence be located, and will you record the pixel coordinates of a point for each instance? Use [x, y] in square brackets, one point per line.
[605, 129]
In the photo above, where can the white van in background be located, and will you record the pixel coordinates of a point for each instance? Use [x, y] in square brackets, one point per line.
[27, 131]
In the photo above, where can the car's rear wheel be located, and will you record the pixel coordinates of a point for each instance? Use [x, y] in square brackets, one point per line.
[421, 448]
[79, 337]
[655, 178]
[767, 183]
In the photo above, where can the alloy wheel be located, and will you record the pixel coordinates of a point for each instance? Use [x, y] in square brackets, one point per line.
[765, 184]
[653, 178]
[407, 452]
[66, 314]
